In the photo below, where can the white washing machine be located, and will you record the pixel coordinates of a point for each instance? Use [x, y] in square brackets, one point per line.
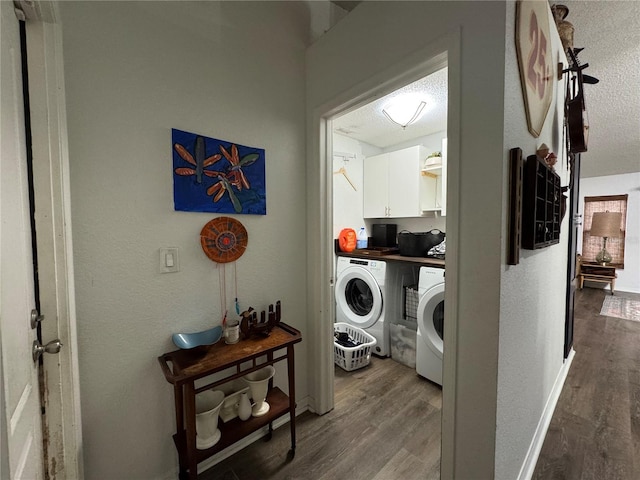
[430, 314]
[361, 298]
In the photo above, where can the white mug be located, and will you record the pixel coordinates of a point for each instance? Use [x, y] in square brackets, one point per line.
[232, 332]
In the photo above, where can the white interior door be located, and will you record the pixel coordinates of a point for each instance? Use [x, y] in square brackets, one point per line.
[22, 429]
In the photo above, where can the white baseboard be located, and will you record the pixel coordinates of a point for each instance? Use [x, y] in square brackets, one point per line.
[529, 464]
[625, 289]
[302, 406]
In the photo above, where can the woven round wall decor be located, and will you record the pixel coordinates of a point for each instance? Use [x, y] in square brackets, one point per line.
[224, 239]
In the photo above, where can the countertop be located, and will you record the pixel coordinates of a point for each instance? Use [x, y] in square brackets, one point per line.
[432, 262]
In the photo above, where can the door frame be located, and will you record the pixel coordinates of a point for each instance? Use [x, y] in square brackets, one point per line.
[60, 388]
[574, 225]
[445, 51]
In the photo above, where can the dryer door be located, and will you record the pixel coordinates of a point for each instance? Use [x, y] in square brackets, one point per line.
[431, 318]
[358, 297]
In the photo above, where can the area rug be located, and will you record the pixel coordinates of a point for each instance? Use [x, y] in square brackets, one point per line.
[621, 307]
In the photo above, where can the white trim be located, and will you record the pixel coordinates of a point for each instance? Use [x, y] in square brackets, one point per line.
[415, 66]
[320, 259]
[531, 459]
[444, 51]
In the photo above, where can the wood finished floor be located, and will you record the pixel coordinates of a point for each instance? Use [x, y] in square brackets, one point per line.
[385, 425]
[386, 421]
[595, 429]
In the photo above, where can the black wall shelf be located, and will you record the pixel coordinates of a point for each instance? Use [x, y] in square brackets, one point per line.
[541, 212]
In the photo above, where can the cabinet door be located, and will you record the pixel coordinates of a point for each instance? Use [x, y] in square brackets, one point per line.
[404, 183]
[375, 197]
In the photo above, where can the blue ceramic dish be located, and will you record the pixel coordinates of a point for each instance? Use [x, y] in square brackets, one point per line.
[192, 340]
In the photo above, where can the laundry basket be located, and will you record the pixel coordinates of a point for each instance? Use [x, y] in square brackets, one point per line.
[352, 358]
[411, 300]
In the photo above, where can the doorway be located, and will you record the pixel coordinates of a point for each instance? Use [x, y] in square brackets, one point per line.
[325, 103]
[359, 134]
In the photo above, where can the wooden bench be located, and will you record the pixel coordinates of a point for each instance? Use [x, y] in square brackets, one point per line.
[595, 272]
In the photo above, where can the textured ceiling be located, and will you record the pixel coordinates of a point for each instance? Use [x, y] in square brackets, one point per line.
[609, 31]
[368, 123]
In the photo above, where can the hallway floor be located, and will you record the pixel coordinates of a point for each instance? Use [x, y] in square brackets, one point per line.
[386, 421]
[595, 430]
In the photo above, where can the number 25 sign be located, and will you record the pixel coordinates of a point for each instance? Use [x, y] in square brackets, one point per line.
[533, 45]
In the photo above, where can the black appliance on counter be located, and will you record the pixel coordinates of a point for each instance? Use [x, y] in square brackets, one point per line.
[418, 244]
[384, 235]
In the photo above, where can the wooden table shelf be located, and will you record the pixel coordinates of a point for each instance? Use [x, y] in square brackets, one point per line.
[237, 429]
[182, 368]
[595, 272]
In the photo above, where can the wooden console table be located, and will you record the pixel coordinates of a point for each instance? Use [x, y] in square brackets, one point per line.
[182, 368]
[595, 272]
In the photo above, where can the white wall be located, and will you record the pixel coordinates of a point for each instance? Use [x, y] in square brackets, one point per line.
[628, 278]
[532, 292]
[347, 201]
[378, 44]
[133, 71]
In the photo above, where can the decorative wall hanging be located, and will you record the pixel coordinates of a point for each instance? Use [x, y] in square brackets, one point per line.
[533, 45]
[575, 108]
[541, 205]
[564, 27]
[211, 175]
[224, 239]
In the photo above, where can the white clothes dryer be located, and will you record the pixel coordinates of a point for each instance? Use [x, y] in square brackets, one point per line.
[361, 298]
[430, 314]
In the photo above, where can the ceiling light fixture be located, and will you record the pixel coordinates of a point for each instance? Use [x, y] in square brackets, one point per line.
[404, 112]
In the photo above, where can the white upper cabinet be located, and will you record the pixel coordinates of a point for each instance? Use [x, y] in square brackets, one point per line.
[395, 185]
[376, 186]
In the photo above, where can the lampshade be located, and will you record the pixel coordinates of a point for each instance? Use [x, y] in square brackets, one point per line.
[605, 224]
[404, 111]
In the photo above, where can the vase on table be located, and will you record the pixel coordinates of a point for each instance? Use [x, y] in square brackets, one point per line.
[259, 384]
[208, 405]
[244, 407]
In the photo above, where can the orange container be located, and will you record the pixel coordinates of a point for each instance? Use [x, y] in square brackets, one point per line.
[347, 240]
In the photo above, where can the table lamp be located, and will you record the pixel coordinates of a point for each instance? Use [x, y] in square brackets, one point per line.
[605, 225]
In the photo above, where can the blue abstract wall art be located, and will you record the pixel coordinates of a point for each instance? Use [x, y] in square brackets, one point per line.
[211, 175]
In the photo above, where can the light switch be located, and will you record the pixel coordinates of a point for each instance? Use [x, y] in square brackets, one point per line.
[169, 260]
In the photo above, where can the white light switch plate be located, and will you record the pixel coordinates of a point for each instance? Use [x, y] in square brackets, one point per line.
[169, 260]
